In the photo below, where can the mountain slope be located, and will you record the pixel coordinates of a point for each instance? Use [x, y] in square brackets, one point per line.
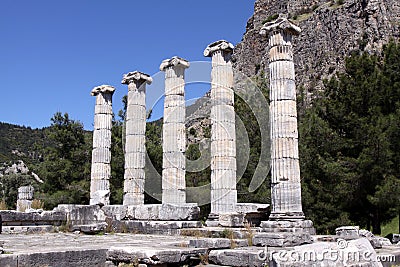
[330, 32]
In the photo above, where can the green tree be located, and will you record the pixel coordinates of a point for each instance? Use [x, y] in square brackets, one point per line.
[66, 166]
[350, 145]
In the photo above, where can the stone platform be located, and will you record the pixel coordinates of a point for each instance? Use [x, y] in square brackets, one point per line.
[74, 250]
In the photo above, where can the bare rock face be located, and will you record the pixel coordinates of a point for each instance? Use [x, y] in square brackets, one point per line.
[330, 32]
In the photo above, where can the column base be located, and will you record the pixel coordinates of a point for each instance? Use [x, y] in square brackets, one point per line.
[285, 233]
[287, 216]
[232, 219]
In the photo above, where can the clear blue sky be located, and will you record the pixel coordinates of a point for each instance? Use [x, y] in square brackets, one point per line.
[52, 53]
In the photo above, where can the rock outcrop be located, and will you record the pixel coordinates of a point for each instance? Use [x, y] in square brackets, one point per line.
[331, 30]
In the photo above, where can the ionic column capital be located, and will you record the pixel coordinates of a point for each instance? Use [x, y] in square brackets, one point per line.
[220, 45]
[174, 62]
[105, 89]
[137, 77]
[280, 24]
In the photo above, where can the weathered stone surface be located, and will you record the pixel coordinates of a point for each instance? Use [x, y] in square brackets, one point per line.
[211, 243]
[157, 212]
[135, 137]
[82, 214]
[355, 253]
[396, 238]
[329, 34]
[282, 239]
[29, 229]
[285, 170]
[174, 132]
[101, 153]
[150, 255]
[237, 257]
[348, 232]
[376, 241]
[223, 162]
[14, 218]
[294, 226]
[94, 228]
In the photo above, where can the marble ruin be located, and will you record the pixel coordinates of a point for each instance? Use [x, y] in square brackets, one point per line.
[286, 238]
[174, 132]
[135, 149]
[223, 134]
[25, 197]
[286, 214]
[101, 154]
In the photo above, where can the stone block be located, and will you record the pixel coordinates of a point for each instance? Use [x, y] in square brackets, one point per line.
[103, 121]
[135, 160]
[135, 126]
[14, 218]
[223, 179]
[348, 232]
[135, 143]
[100, 197]
[223, 148]
[285, 90]
[281, 239]
[137, 98]
[101, 155]
[175, 114]
[210, 243]
[153, 256]
[237, 257]
[102, 138]
[103, 109]
[174, 101]
[174, 159]
[165, 212]
[223, 163]
[353, 253]
[285, 147]
[82, 214]
[223, 131]
[136, 111]
[396, 238]
[23, 205]
[94, 228]
[221, 113]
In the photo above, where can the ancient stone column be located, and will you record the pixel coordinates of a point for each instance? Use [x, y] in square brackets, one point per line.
[223, 135]
[285, 181]
[135, 149]
[101, 154]
[174, 132]
[25, 197]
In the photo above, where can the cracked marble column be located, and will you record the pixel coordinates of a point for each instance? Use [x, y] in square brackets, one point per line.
[135, 133]
[286, 225]
[223, 135]
[101, 154]
[285, 183]
[174, 132]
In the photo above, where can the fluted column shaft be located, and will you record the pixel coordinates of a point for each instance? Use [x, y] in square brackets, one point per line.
[135, 149]
[285, 181]
[101, 153]
[174, 132]
[223, 134]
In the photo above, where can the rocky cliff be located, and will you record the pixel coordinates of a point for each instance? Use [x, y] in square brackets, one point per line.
[331, 30]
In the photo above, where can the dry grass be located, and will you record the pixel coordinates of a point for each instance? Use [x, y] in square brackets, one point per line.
[37, 204]
[249, 233]
[3, 205]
